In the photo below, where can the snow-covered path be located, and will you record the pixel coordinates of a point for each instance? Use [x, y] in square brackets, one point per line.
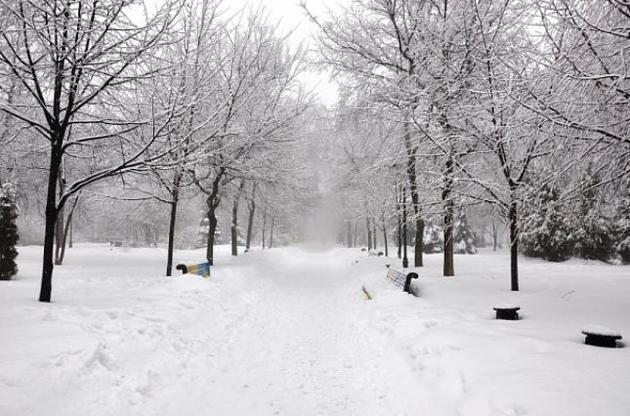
[298, 351]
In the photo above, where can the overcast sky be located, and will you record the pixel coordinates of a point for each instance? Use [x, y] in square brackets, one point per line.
[292, 18]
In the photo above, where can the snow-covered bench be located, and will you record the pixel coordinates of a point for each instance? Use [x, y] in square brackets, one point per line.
[401, 279]
[507, 311]
[200, 269]
[601, 336]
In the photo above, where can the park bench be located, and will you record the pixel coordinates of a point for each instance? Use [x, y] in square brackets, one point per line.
[507, 311]
[401, 279]
[601, 336]
[200, 269]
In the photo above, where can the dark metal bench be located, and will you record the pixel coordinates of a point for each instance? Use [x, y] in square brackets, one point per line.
[507, 312]
[200, 269]
[601, 336]
[401, 279]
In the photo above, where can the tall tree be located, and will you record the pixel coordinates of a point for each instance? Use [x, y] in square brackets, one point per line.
[69, 56]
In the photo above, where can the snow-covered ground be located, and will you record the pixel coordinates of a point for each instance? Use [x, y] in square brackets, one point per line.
[288, 331]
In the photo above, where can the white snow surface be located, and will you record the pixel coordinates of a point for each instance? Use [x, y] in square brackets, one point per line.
[595, 329]
[288, 331]
[506, 306]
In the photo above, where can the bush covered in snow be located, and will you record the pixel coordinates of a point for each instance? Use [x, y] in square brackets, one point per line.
[590, 226]
[595, 238]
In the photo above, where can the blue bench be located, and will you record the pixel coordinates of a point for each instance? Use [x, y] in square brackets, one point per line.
[200, 269]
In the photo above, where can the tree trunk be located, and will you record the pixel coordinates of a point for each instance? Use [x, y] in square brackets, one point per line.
[264, 226]
[399, 220]
[374, 234]
[369, 233]
[51, 219]
[349, 233]
[212, 228]
[60, 236]
[399, 237]
[59, 227]
[418, 243]
[66, 231]
[234, 231]
[405, 259]
[513, 218]
[385, 237]
[273, 221]
[495, 236]
[71, 234]
[250, 220]
[415, 197]
[234, 225]
[213, 202]
[171, 226]
[449, 263]
[171, 238]
[447, 200]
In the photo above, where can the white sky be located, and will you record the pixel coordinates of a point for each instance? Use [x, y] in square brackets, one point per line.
[292, 18]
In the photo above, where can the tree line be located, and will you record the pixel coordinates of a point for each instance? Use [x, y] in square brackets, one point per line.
[146, 102]
[461, 105]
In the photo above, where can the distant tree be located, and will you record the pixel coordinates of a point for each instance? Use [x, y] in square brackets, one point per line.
[8, 232]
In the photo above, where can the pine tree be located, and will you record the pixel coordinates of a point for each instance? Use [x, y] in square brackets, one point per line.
[464, 235]
[623, 226]
[595, 237]
[8, 232]
[433, 238]
[548, 231]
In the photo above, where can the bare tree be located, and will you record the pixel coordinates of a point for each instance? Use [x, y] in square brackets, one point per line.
[258, 73]
[69, 56]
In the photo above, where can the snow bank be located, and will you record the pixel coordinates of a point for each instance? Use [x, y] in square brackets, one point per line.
[117, 333]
